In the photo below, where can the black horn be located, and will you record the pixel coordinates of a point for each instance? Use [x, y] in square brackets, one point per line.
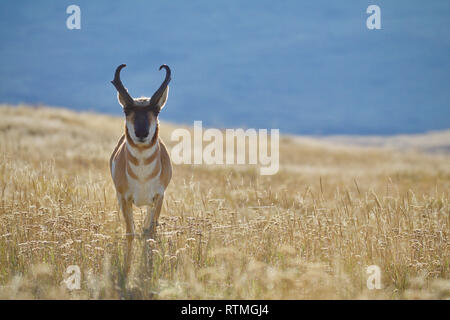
[120, 88]
[158, 93]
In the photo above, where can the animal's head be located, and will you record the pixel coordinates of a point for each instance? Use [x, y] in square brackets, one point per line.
[141, 114]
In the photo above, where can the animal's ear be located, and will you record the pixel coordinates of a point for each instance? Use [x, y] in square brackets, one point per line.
[121, 100]
[162, 101]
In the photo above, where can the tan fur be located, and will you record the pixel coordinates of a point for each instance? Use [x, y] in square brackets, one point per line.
[121, 158]
[140, 165]
[124, 177]
[118, 157]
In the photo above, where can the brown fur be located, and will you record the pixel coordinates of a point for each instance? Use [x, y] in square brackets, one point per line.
[121, 158]
[131, 188]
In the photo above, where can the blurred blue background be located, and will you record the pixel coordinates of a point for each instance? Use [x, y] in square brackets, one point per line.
[306, 67]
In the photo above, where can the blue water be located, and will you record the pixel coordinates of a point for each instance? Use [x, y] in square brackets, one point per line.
[305, 67]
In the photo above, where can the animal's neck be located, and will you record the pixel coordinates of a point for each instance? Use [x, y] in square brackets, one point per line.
[143, 161]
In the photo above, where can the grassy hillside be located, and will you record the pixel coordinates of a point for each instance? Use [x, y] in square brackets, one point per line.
[309, 231]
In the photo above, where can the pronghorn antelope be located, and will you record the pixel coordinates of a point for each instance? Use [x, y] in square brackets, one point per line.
[140, 164]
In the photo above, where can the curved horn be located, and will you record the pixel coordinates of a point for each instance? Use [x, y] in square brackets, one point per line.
[120, 88]
[158, 93]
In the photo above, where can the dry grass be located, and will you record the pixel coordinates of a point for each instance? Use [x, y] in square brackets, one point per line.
[308, 232]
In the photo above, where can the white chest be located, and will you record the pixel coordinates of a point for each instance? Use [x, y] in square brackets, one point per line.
[143, 190]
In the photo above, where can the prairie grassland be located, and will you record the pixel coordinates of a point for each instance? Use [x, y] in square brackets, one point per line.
[308, 232]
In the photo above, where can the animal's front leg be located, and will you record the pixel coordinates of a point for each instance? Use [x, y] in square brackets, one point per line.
[127, 210]
[152, 216]
[150, 229]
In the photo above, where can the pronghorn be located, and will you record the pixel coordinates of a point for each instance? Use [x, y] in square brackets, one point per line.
[140, 164]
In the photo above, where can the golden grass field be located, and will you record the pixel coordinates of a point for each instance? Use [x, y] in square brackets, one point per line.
[308, 232]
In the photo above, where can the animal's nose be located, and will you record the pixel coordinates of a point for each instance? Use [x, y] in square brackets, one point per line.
[141, 134]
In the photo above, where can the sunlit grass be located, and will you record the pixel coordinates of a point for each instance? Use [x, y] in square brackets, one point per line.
[307, 232]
